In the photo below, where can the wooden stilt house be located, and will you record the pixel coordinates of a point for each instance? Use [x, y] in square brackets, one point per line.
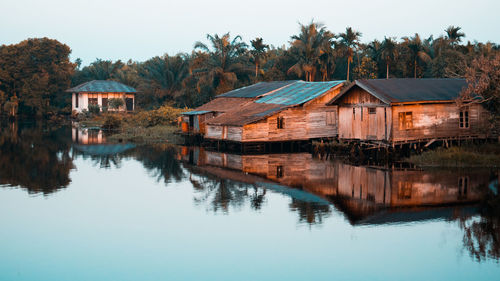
[295, 112]
[193, 122]
[395, 111]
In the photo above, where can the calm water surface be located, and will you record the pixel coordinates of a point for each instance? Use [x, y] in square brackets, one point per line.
[75, 208]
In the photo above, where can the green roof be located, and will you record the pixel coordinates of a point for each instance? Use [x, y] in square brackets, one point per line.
[102, 86]
[298, 92]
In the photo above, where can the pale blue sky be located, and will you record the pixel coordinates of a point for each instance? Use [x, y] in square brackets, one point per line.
[138, 30]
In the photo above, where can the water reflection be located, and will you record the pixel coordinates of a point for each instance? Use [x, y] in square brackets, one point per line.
[39, 158]
[35, 157]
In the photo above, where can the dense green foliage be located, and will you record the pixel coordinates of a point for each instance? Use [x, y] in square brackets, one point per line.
[37, 71]
[34, 75]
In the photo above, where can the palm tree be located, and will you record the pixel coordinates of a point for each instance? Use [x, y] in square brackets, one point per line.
[258, 52]
[222, 63]
[350, 40]
[388, 52]
[454, 35]
[313, 41]
[417, 50]
[163, 76]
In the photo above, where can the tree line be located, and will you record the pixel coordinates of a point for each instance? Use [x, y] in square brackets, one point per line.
[35, 72]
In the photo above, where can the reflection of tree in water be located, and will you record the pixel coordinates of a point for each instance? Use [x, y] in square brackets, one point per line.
[35, 157]
[160, 161]
[223, 194]
[310, 212]
[482, 234]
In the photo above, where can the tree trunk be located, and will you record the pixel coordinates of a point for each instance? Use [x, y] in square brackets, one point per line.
[415, 68]
[256, 69]
[348, 69]
[387, 77]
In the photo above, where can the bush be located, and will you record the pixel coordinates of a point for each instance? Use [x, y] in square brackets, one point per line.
[111, 122]
[94, 108]
[116, 103]
[165, 115]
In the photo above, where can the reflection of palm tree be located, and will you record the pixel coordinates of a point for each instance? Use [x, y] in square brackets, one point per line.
[350, 40]
[221, 64]
[308, 47]
[310, 212]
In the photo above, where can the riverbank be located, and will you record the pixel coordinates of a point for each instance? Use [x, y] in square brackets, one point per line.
[478, 155]
[143, 127]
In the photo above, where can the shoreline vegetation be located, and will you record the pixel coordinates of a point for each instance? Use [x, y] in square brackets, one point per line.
[143, 127]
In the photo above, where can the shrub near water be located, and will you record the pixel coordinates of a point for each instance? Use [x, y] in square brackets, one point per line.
[165, 115]
[485, 155]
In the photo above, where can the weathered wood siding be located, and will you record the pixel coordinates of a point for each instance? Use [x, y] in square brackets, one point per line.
[234, 133]
[213, 132]
[429, 120]
[438, 120]
[362, 116]
[311, 120]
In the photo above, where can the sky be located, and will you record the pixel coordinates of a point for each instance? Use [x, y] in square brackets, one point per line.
[141, 29]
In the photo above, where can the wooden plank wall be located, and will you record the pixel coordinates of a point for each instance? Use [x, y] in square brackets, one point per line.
[355, 120]
[300, 123]
[439, 120]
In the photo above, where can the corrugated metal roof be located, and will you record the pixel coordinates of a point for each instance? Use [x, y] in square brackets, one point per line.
[409, 89]
[223, 104]
[257, 89]
[196, 112]
[102, 86]
[298, 93]
[251, 112]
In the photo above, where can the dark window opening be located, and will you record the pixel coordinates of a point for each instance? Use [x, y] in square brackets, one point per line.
[463, 185]
[104, 102]
[354, 113]
[361, 114]
[464, 119]
[279, 171]
[76, 100]
[281, 122]
[372, 110]
[93, 101]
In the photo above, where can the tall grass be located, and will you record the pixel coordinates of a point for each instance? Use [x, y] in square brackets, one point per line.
[484, 155]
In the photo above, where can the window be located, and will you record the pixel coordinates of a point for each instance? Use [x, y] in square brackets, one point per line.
[281, 122]
[405, 120]
[372, 110]
[464, 118]
[354, 113]
[463, 184]
[279, 171]
[404, 190]
[330, 118]
[93, 101]
[76, 100]
[361, 113]
[104, 102]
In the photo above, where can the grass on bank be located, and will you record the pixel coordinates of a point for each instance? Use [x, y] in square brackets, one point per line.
[153, 126]
[481, 155]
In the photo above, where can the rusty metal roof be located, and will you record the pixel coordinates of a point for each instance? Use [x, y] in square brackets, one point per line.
[196, 112]
[250, 113]
[102, 86]
[298, 93]
[294, 94]
[257, 89]
[222, 104]
[409, 89]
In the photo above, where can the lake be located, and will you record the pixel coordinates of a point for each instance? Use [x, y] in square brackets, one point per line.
[73, 207]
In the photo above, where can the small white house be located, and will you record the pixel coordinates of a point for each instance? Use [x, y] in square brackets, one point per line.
[99, 92]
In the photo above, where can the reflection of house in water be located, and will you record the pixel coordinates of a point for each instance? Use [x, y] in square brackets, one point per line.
[92, 142]
[365, 194]
[87, 136]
